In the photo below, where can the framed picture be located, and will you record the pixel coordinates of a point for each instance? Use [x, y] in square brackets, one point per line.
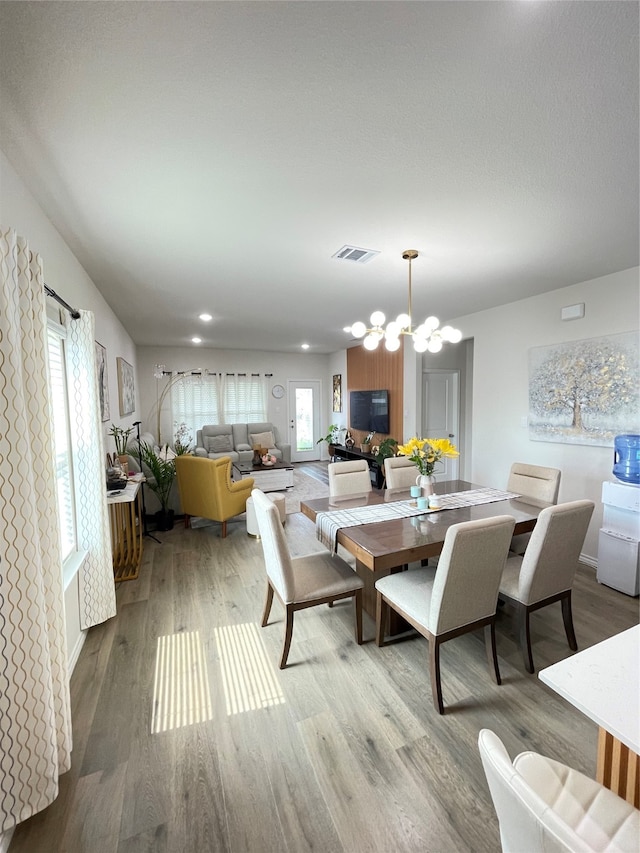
[337, 392]
[126, 389]
[103, 382]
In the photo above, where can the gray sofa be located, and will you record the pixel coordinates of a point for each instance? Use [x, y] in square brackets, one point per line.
[237, 440]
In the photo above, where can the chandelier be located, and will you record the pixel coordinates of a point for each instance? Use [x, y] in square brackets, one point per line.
[426, 337]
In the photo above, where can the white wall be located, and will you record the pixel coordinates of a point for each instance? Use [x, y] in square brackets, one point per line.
[502, 338]
[64, 274]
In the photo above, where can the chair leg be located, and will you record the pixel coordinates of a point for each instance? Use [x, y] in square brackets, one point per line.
[267, 604]
[492, 654]
[287, 637]
[381, 618]
[568, 622]
[224, 530]
[357, 613]
[434, 665]
[525, 638]
[187, 521]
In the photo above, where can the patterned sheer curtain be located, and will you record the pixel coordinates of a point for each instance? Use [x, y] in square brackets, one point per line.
[35, 719]
[97, 589]
[245, 397]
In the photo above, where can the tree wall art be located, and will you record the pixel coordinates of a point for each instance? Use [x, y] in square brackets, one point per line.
[585, 392]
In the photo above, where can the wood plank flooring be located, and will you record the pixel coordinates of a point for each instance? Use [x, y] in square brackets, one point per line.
[341, 751]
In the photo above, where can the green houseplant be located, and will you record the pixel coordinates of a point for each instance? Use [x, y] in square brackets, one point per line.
[331, 438]
[162, 473]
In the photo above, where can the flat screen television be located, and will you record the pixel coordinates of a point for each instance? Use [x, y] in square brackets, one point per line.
[369, 411]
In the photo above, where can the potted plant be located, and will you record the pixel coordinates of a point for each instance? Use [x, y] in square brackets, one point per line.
[388, 447]
[121, 439]
[331, 438]
[365, 444]
[162, 473]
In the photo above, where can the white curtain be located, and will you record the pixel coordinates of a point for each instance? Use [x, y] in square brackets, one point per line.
[97, 589]
[195, 400]
[244, 398]
[35, 720]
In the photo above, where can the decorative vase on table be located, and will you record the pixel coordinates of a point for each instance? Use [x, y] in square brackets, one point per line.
[427, 483]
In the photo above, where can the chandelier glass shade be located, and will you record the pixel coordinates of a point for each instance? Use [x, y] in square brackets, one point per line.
[427, 337]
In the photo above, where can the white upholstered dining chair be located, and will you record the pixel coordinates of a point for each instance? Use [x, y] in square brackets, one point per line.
[349, 478]
[400, 472]
[546, 571]
[544, 806]
[536, 482]
[460, 596]
[301, 582]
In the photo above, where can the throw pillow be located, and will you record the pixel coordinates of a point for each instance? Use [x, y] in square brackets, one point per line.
[219, 444]
[262, 439]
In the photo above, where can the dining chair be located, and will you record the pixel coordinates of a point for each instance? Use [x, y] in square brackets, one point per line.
[349, 478]
[535, 482]
[301, 582]
[546, 571]
[207, 490]
[459, 596]
[544, 806]
[400, 472]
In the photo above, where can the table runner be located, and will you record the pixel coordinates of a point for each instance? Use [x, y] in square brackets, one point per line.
[329, 523]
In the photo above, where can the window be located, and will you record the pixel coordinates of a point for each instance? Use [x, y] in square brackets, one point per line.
[244, 398]
[195, 401]
[61, 442]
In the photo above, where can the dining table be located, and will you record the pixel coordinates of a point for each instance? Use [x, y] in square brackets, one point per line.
[387, 546]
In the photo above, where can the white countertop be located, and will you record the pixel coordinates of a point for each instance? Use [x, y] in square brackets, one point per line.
[604, 683]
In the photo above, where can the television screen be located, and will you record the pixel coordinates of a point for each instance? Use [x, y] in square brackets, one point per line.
[369, 411]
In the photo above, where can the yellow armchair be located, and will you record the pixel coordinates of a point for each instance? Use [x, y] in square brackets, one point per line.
[207, 490]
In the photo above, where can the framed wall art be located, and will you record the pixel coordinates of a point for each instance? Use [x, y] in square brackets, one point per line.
[337, 392]
[103, 382]
[126, 389]
[585, 392]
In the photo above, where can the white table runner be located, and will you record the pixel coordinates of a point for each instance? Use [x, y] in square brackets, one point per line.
[329, 523]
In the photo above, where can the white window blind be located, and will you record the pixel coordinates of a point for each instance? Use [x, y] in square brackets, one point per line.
[62, 447]
[244, 398]
[195, 401]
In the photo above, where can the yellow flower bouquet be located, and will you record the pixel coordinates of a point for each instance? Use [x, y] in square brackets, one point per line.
[425, 452]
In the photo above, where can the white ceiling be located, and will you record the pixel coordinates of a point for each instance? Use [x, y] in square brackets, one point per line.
[213, 156]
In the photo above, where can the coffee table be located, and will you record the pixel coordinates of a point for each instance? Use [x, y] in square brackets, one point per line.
[271, 478]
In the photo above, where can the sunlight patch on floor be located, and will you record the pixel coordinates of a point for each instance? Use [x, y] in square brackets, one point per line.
[248, 677]
[181, 695]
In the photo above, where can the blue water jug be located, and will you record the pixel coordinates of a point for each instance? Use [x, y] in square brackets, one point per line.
[626, 458]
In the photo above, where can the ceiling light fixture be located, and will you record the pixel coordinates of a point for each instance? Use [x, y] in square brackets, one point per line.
[196, 340]
[427, 336]
[205, 317]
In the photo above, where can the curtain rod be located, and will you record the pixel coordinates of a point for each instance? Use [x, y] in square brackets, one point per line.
[75, 314]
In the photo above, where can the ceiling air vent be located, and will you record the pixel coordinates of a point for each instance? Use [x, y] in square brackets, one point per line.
[353, 253]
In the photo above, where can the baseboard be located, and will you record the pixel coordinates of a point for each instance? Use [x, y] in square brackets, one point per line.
[73, 659]
[589, 561]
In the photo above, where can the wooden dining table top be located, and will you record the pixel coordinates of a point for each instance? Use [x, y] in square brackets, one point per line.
[387, 544]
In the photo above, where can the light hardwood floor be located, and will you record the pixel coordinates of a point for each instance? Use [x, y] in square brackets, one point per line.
[341, 751]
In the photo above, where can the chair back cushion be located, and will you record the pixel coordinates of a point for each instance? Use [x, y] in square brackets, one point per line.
[466, 583]
[534, 481]
[349, 478]
[551, 559]
[543, 805]
[277, 558]
[206, 490]
[217, 438]
[400, 472]
[240, 437]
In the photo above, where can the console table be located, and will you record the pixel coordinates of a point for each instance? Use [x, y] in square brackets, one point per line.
[125, 516]
[375, 468]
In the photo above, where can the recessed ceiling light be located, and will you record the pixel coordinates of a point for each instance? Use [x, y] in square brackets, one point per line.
[305, 346]
[205, 317]
[196, 340]
[347, 329]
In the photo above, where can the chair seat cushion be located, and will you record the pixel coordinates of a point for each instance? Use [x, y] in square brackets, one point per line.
[599, 817]
[321, 575]
[411, 592]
